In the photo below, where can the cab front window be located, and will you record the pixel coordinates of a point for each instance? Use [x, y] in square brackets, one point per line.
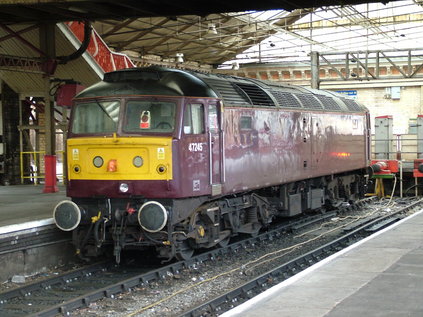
[149, 116]
[96, 117]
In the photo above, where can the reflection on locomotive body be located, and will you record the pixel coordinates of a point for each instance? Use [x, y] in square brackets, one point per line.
[180, 160]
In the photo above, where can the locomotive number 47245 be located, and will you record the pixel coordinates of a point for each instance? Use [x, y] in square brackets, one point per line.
[195, 147]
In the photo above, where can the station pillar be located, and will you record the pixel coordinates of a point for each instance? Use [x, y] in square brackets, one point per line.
[315, 80]
[47, 44]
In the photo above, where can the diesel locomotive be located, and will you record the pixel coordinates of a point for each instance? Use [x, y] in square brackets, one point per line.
[181, 160]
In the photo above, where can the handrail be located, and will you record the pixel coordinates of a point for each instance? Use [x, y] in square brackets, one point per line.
[36, 159]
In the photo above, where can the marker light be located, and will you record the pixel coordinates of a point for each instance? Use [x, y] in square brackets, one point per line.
[161, 169]
[76, 168]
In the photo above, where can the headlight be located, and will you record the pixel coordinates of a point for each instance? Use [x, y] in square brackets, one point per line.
[123, 188]
[98, 161]
[152, 216]
[67, 215]
[138, 161]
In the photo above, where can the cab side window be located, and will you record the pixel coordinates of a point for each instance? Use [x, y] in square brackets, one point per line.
[213, 121]
[194, 119]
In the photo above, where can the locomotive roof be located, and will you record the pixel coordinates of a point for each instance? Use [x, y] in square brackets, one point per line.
[234, 91]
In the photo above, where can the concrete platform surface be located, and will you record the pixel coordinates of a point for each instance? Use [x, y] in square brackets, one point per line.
[24, 204]
[381, 275]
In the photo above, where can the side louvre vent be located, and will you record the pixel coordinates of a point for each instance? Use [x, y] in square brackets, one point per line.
[309, 101]
[257, 95]
[328, 102]
[351, 104]
[229, 94]
[285, 99]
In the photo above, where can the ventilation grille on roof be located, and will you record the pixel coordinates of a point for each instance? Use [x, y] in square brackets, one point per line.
[130, 75]
[328, 102]
[309, 101]
[257, 95]
[286, 99]
[351, 104]
[228, 93]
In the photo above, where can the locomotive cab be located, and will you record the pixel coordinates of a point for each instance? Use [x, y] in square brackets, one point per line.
[135, 159]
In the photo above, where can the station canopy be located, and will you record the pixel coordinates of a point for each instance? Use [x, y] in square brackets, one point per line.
[193, 36]
[221, 40]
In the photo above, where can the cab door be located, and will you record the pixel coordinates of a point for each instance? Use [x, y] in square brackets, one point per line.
[194, 161]
[215, 142]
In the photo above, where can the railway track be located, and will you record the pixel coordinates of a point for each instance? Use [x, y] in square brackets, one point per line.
[78, 289]
[264, 281]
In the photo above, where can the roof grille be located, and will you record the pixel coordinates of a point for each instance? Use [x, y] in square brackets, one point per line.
[118, 76]
[229, 94]
[328, 102]
[309, 101]
[351, 104]
[285, 99]
[257, 95]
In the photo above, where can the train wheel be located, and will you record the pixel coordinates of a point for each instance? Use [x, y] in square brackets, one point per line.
[223, 243]
[225, 240]
[184, 251]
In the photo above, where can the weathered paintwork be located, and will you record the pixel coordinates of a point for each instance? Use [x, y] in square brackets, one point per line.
[281, 146]
[221, 156]
[244, 146]
[284, 146]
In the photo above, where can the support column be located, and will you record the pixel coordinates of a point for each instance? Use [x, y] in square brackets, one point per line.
[1, 137]
[315, 82]
[48, 45]
[10, 114]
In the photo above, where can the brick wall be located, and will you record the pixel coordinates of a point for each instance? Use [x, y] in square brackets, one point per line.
[408, 106]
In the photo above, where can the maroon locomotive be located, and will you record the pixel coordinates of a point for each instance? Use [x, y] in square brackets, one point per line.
[182, 160]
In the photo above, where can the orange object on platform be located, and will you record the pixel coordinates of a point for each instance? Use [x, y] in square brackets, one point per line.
[50, 185]
[418, 168]
[387, 166]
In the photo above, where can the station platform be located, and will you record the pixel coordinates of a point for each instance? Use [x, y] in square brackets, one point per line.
[381, 275]
[26, 206]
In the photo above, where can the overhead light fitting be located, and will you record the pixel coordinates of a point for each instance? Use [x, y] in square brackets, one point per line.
[179, 57]
[212, 29]
[235, 65]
